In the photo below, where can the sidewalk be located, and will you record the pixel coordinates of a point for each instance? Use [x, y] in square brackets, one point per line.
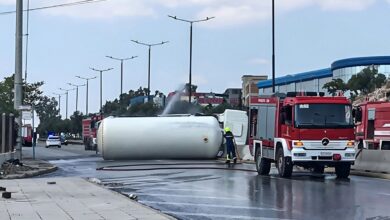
[68, 198]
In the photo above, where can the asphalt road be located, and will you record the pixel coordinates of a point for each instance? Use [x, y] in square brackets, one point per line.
[53, 153]
[213, 190]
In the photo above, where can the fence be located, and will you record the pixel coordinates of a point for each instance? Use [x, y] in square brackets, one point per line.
[7, 136]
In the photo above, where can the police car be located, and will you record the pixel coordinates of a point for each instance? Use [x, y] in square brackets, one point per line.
[53, 141]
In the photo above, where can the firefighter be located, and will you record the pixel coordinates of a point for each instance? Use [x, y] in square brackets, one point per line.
[230, 146]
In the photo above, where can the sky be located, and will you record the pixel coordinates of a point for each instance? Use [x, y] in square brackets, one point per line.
[310, 34]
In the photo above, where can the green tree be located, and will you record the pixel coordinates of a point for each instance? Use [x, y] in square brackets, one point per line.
[7, 95]
[32, 94]
[335, 85]
[366, 81]
[46, 108]
[144, 109]
[120, 107]
[76, 123]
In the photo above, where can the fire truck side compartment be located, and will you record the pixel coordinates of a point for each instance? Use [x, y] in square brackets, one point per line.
[266, 127]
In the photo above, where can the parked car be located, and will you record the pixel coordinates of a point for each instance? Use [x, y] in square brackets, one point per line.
[53, 141]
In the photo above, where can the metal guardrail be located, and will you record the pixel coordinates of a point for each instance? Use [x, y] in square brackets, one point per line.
[8, 135]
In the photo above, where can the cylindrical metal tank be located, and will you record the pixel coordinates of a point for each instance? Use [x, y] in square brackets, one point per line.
[180, 137]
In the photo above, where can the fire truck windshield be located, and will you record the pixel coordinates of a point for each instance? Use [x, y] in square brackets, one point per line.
[323, 116]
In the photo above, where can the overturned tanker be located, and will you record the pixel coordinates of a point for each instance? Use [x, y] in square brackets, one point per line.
[179, 137]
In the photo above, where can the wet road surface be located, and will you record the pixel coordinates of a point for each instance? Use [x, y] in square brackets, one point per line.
[212, 190]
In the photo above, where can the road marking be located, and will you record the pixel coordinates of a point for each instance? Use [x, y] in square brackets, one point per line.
[211, 205]
[219, 216]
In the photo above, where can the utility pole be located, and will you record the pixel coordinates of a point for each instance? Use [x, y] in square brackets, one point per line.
[67, 94]
[273, 46]
[190, 68]
[121, 59]
[101, 85]
[59, 101]
[86, 96]
[18, 82]
[77, 93]
[149, 58]
[27, 37]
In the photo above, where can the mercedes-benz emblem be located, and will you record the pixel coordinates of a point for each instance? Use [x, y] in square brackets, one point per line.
[325, 141]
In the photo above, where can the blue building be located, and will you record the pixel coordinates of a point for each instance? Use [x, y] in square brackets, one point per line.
[314, 80]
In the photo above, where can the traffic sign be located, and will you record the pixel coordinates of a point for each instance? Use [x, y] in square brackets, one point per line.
[24, 108]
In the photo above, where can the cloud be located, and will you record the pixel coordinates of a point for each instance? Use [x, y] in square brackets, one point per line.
[197, 79]
[104, 10]
[259, 61]
[7, 2]
[350, 5]
[234, 13]
[228, 13]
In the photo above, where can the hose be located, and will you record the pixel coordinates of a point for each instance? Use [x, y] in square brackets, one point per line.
[123, 167]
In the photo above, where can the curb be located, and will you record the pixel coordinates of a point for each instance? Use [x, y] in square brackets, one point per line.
[32, 173]
[370, 174]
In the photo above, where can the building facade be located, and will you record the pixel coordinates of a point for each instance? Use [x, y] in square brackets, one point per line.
[313, 81]
[249, 86]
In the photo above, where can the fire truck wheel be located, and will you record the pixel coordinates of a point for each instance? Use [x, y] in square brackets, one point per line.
[263, 165]
[342, 170]
[284, 164]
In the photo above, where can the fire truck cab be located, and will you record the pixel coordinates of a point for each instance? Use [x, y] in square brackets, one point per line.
[303, 129]
[90, 126]
[373, 125]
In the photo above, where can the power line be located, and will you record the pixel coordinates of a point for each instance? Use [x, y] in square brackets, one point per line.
[56, 6]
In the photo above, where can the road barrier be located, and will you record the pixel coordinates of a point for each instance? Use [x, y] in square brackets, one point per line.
[244, 152]
[377, 161]
[7, 137]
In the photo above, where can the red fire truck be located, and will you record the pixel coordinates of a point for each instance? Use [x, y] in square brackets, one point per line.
[90, 126]
[27, 135]
[373, 125]
[307, 130]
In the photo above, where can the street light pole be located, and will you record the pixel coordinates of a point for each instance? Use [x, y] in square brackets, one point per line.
[273, 46]
[149, 58]
[59, 102]
[86, 96]
[77, 93]
[190, 69]
[67, 94]
[101, 84]
[121, 59]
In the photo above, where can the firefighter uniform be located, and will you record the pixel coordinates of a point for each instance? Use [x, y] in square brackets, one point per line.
[230, 146]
